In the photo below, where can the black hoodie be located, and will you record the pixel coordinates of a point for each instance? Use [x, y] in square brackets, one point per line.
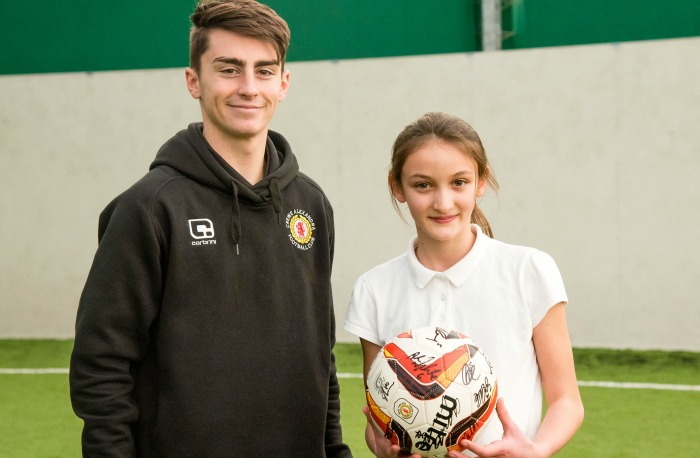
[206, 325]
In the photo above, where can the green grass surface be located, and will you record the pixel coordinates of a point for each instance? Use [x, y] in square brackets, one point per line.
[35, 353]
[36, 420]
[677, 367]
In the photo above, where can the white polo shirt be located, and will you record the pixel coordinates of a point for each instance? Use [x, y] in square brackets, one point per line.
[496, 295]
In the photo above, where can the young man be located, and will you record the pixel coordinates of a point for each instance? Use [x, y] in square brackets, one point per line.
[206, 325]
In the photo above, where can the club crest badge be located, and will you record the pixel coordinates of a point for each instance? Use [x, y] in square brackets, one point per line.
[405, 410]
[301, 229]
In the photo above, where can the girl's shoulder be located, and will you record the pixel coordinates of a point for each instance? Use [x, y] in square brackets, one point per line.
[518, 254]
[395, 266]
[510, 247]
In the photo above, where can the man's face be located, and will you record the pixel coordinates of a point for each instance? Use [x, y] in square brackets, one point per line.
[239, 84]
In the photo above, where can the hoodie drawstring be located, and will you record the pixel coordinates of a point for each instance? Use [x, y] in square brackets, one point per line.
[235, 217]
[276, 198]
[276, 195]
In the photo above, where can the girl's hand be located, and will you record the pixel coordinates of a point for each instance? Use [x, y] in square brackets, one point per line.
[514, 444]
[379, 445]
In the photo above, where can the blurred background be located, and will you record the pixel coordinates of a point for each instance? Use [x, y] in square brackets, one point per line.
[588, 111]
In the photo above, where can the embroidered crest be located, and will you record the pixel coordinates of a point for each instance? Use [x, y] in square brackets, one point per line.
[301, 229]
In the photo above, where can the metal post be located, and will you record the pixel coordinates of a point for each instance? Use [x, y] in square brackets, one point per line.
[491, 25]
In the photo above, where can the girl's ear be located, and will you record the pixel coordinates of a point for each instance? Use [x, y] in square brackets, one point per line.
[396, 191]
[481, 187]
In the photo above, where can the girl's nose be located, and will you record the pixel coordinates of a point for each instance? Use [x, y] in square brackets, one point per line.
[443, 200]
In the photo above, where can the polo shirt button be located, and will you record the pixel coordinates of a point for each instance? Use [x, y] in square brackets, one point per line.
[442, 297]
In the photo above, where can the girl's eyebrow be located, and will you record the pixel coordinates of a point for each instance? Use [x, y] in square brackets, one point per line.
[419, 175]
[460, 173]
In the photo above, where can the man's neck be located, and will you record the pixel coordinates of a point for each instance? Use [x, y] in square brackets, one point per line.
[246, 155]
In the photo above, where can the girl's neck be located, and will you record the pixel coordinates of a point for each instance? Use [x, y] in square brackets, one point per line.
[440, 256]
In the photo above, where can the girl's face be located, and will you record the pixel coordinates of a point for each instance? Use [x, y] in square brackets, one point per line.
[440, 185]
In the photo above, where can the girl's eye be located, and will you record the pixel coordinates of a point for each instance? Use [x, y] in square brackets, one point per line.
[460, 183]
[421, 185]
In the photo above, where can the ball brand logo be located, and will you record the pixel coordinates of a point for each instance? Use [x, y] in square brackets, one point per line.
[301, 229]
[405, 410]
[202, 230]
[434, 436]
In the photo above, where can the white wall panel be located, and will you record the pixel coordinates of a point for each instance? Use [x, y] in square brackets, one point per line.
[595, 147]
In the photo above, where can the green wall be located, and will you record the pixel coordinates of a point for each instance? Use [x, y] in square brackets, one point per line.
[377, 28]
[90, 35]
[539, 23]
[79, 35]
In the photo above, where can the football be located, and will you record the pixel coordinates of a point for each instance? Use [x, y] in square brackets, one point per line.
[429, 388]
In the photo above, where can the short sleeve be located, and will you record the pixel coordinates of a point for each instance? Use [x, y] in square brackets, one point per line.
[544, 285]
[361, 317]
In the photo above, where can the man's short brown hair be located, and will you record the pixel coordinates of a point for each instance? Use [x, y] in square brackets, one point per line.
[244, 17]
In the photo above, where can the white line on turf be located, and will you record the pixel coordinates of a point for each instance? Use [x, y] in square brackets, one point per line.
[348, 375]
[624, 385]
[648, 386]
[50, 370]
[601, 384]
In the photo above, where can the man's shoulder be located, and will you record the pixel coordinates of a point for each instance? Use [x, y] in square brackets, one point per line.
[145, 190]
[310, 182]
[154, 180]
[310, 191]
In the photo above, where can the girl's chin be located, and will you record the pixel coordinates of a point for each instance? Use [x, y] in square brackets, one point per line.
[446, 236]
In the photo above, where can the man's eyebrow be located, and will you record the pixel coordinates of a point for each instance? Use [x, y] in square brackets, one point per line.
[241, 63]
[229, 60]
[266, 63]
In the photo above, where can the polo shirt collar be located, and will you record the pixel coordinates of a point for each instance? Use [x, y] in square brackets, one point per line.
[456, 274]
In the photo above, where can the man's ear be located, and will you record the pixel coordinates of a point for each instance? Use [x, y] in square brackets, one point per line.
[284, 88]
[192, 80]
[396, 191]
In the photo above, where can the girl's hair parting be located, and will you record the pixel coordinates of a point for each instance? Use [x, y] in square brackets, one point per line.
[437, 126]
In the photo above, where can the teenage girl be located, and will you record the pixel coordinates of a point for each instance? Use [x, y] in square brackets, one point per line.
[510, 299]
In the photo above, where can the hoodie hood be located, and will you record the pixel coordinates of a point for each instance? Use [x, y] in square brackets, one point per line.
[190, 154]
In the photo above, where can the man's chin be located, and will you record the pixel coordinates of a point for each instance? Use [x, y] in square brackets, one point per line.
[245, 132]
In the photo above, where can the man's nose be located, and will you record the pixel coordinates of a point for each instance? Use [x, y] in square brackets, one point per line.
[249, 86]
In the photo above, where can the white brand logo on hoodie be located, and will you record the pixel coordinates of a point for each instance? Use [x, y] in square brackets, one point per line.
[202, 230]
